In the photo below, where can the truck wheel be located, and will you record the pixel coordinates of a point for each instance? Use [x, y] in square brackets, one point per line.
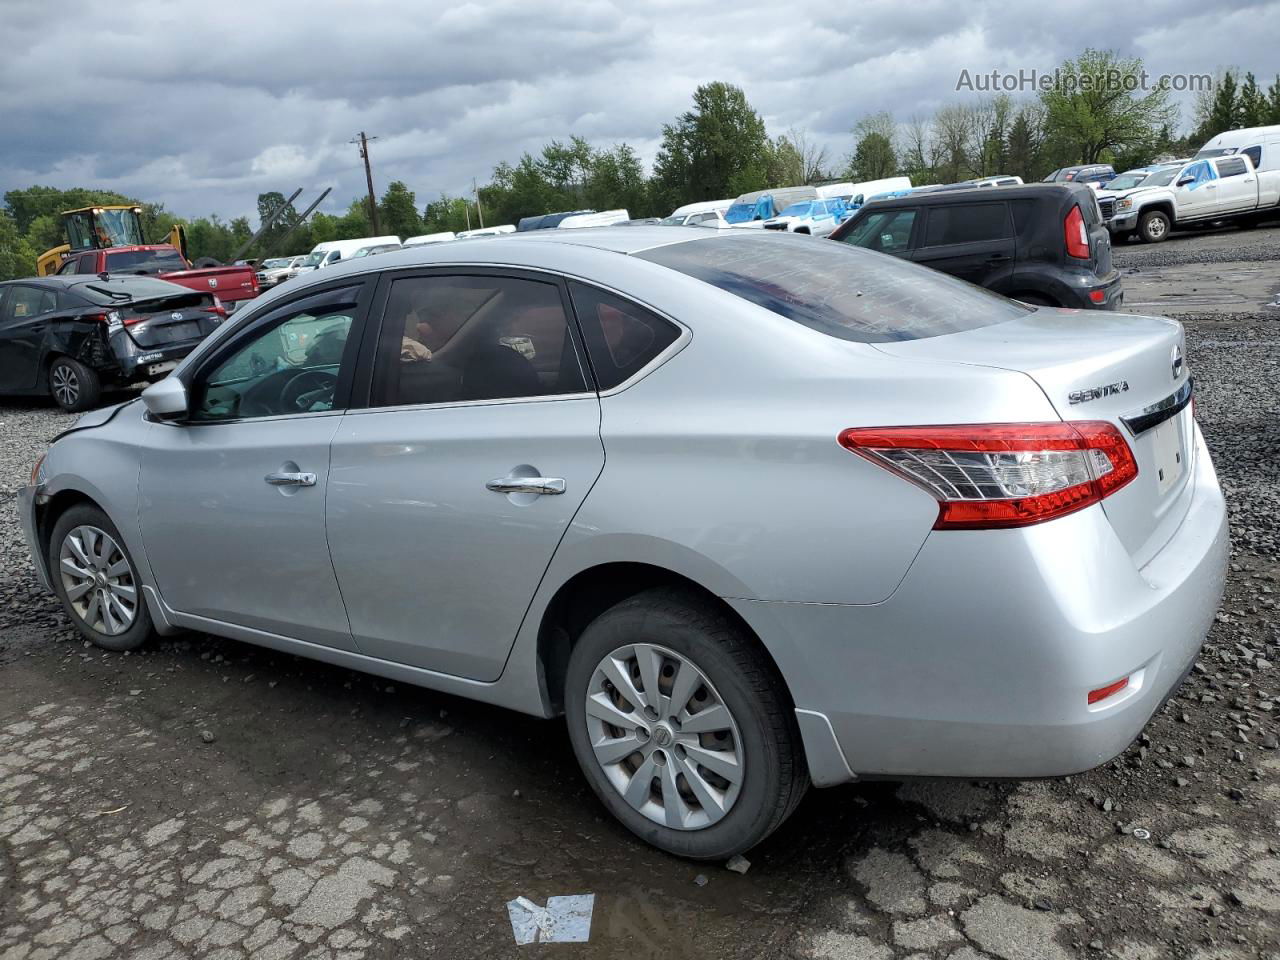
[204, 262]
[1154, 226]
[74, 387]
[681, 727]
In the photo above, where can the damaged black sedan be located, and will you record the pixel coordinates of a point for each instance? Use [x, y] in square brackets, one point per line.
[71, 337]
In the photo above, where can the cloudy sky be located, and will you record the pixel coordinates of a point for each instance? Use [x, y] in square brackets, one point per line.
[203, 105]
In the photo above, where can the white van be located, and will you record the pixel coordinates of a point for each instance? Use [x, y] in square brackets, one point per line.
[1259, 144]
[705, 212]
[497, 231]
[331, 251]
[443, 237]
[606, 218]
[859, 193]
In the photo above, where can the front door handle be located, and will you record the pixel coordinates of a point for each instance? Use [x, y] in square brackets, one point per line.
[289, 479]
[539, 485]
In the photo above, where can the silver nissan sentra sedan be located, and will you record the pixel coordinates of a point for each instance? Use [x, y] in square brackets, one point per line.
[752, 510]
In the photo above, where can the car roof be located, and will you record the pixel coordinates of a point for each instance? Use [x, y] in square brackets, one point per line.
[934, 198]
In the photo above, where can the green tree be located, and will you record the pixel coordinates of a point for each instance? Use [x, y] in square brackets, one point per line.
[398, 211]
[46, 231]
[446, 213]
[875, 154]
[26, 205]
[616, 180]
[17, 258]
[209, 237]
[716, 150]
[1092, 109]
[1253, 103]
[1023, 146]
[1224, 108]
[1273, 101]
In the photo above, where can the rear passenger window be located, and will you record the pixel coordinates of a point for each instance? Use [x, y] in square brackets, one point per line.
[450, 339]
[1024, 212]
[88, 263]
[1231, 167]
[966, 223]
[888, 231]
[622, 337]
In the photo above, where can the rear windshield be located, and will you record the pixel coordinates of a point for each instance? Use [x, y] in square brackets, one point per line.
[145, 261]
[836, 289]
[126, 289]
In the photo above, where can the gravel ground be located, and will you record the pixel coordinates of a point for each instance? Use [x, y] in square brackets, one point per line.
[210, 799]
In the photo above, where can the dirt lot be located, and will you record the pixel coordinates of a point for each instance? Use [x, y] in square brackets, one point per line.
[210, 799]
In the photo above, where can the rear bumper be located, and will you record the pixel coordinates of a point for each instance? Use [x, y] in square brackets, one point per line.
[150, 364]
[981, 663]
[1081, 292]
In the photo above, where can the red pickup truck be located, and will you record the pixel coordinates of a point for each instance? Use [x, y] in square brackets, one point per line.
[231, 285]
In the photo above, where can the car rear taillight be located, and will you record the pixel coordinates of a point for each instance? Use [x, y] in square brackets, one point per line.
[1077, 236]
[993, 475]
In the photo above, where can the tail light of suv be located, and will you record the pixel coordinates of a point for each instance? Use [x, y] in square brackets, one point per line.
[996, 475]
[1077, 234]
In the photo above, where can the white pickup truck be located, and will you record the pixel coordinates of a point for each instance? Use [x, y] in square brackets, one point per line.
[1198, 192]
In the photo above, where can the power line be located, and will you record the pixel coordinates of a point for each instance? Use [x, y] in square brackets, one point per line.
[363, 143]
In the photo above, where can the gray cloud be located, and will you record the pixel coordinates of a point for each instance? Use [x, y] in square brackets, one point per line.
[202, 106]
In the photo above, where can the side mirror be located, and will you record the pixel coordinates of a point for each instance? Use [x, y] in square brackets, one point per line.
[1185, 180]
[167, 399]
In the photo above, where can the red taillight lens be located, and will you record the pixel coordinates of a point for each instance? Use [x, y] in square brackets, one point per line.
[218, 309]
[1098, 296]
[1077, 236]
[1002, 474]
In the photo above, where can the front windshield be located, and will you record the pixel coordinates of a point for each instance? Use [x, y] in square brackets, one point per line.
[1127, 180]
[672, 221]
[275, 263]
[1220, 152]
[313, 260]
[797, 210]
[1161, 179]
[740, 213]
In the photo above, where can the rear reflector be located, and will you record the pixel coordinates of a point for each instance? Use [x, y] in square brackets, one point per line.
[1097, 296]
[994, 475]
[1103, 692]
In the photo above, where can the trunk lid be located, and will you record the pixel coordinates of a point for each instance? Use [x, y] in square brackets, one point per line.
[1099, 365]
[152, 324]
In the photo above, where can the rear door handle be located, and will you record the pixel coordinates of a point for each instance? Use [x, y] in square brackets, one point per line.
[998, 258]
[286, 479]
[538, 485]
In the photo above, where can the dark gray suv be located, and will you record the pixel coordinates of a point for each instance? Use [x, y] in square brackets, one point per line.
[1043, 244]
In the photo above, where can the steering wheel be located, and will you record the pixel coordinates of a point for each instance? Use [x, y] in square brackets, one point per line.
[304, 389]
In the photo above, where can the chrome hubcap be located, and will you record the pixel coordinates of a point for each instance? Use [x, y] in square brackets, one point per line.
[98, 580]
[1156, 227]
[664, 737]
[66, 385]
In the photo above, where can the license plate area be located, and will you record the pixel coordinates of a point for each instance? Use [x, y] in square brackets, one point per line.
[1169, 453]
[155, 369]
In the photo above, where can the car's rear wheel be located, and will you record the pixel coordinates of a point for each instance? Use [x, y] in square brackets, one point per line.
[1154, 226]
[73, 386]
[681, 726]
[97, 581]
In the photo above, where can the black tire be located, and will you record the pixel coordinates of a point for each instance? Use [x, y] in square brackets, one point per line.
[141, 629]
[1154, 226]
[73, 386]
[204, 262]
[775, 776]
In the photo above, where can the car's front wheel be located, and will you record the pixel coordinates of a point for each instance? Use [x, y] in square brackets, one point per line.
[681, 726]
[1154, 226]
[97, 581]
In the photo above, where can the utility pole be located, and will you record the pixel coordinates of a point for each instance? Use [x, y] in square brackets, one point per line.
[476, 191]
[363, 141]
